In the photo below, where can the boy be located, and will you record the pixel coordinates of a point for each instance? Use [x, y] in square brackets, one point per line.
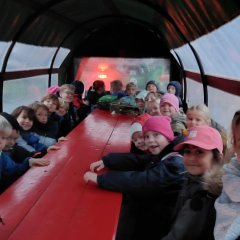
[150, 183]
[10, 170]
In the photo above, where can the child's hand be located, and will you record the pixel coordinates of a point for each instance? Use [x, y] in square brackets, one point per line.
[62, 139]
[90, 176]
[53, 147]
[38, 162]
[97, 166]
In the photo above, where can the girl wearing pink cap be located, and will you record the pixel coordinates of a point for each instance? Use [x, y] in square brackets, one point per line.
[195, 214]
[169, 106]
[150, 183]
[228, 204]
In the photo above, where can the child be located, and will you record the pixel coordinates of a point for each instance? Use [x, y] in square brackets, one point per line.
[198, 115]
[116, 89]
[29, 139]
[140, 101]
[174, 87]
[152, 86]
[169, 106]
[67, 94]
[62, 113]
[227, 225]
[153, 107]
[81, 105]
[52, 102]
[42, 126]
[9, 170]
[151, 96]
[15, 152]
[138, 144]
[150, 182]
[96, 91]
[131, 90]
[195, 213]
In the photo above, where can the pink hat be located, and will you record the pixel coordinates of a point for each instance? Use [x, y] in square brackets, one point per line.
[138, 123]
[160, 124]
[53, 89]
[204, 137]
[171, 99]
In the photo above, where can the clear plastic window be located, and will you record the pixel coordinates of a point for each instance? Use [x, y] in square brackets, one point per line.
[23, 91]
[3, 50]
[25, 57]
[219, 50]
[222, 106]
[194, 92]
[61, 55]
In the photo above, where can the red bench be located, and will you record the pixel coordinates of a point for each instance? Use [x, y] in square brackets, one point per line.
[54, 202]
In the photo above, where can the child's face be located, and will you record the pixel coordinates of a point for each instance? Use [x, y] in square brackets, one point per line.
[42, 115]
[131, 91]
[155, 142]
[140, 103]
[24, 121]
[3, 140]
[62, 111]
[154, 109]
[195, 118]
[52, 105]
[67, 95]
[171, 89]
[167, 109]
[150, 97]
[11, 140]
[138, 140]
[197, 160]
[151, 88]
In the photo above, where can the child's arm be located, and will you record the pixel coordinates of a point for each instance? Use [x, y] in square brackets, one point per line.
[61, 139]
[53, 147]
[90, 176]
[38, 162]
[97, 166]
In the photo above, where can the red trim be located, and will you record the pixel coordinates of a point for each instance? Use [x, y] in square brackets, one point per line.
[224, 84]
[27, 73]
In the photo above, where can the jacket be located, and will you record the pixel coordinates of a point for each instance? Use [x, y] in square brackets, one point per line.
[195, 214]
[10, 170]
[227, 225]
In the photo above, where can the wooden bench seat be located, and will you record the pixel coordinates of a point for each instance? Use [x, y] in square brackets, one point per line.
[54, 202]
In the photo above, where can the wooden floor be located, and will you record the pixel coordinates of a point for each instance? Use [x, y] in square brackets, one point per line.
[54, 202]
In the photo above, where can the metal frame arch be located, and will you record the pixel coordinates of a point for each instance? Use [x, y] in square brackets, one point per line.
[165, 14]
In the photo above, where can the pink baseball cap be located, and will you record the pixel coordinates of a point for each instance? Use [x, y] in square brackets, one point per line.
[204, 137]
[171, 99]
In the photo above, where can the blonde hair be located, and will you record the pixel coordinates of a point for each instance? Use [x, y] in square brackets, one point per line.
[155, 96]
[131, 84]
[204, 110]
[68, 87]
[5, 126]
[63, 104]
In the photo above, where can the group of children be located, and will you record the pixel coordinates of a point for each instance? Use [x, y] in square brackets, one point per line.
[29, 132]
[173, 182]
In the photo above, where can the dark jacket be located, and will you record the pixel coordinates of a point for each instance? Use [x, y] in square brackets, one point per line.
[150, 185]
[10, 170]
[138, 174]
[195, 213]
[18, 154]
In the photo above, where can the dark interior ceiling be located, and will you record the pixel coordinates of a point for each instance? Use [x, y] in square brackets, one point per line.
[90, 27]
